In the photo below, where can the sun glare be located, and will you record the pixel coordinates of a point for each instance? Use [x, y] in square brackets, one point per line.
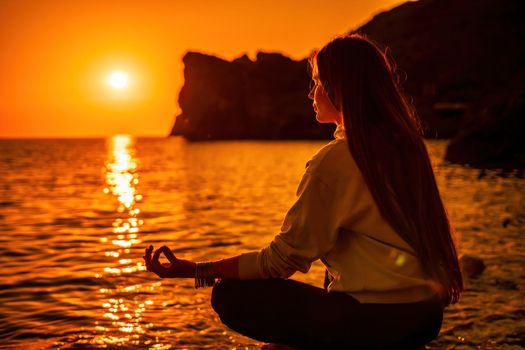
[118, 80]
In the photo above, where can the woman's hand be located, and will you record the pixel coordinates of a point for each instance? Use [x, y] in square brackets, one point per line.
[176, 268]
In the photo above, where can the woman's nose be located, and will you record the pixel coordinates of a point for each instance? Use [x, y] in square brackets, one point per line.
[311, 94]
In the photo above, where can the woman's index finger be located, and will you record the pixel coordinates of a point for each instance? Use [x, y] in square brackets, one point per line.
[155, 259]
[169, 254]
[147, 257]
[156, 253]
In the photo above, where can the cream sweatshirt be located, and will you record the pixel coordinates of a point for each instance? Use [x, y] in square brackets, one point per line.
[336, 219]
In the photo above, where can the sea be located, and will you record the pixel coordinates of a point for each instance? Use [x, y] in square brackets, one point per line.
[77, 214]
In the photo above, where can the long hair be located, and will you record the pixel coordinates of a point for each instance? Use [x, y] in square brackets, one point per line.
[385, 138]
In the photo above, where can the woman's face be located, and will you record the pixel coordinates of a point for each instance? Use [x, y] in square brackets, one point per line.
[325, 111]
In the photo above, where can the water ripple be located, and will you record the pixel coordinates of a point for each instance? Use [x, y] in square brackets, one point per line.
[77, 215]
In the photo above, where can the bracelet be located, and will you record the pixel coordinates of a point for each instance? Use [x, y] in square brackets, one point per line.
[204, 275]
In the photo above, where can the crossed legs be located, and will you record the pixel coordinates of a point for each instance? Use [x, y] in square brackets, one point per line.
[302, 316]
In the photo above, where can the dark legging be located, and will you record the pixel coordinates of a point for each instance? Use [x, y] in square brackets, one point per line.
[302, 316]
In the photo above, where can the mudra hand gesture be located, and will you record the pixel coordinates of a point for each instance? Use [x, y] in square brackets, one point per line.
[176, 268]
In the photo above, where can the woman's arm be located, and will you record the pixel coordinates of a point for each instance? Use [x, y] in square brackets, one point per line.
[226, 268]
[180, 268]
[309, 230]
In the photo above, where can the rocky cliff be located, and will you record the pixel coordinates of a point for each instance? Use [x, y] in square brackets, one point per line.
[495, 138]
[242, 99]
[463, 62]
[459, 56]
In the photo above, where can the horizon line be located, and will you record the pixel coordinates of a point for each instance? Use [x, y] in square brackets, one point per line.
[57, 137]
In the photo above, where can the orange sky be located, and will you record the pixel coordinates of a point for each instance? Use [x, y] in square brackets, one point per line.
[57, 55]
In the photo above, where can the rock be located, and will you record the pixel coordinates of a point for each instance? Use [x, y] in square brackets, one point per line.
[494, 141]
[463, 64]
[265, 99]
[459, 57]
[471, 266]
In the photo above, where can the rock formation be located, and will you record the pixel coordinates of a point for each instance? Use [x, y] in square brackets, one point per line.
[265, 99]
[463, 63]
[495, 138]
[471, 266]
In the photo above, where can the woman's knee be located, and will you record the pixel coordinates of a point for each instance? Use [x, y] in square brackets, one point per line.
[223, 298]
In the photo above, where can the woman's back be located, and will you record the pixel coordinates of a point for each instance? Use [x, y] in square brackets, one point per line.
[369, 260]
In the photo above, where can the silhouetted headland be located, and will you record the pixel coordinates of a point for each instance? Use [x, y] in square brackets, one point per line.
[242, 99]
[464, 63]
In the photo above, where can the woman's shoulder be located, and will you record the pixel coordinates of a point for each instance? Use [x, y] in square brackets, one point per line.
[332, 160]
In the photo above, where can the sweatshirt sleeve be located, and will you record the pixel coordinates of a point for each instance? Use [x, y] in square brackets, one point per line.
[308, 232]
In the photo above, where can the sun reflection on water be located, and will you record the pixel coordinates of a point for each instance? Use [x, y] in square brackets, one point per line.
[122, 306]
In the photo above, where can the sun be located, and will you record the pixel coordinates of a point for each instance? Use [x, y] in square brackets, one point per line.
[118, 80]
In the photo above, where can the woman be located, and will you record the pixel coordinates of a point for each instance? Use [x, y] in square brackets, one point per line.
[368, 206]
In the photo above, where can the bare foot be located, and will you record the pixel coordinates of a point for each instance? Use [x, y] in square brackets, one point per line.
[273, 346]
